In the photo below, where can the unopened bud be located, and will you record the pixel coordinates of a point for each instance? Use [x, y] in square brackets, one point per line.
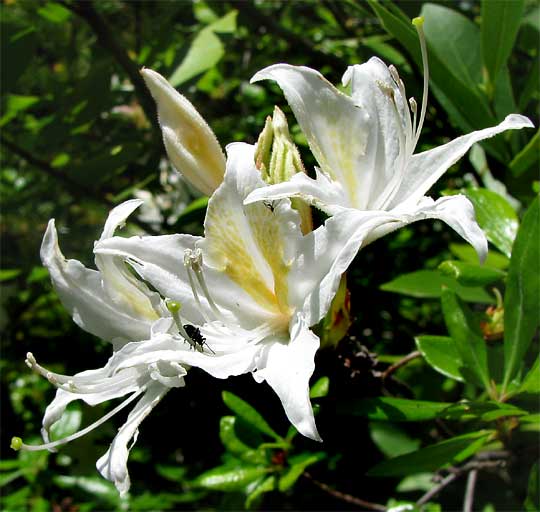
[191, 144]
[16, 443]
[278, 159]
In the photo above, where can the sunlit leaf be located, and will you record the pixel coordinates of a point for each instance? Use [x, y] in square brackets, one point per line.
[522, 297]
[451, 451]
[441, 354]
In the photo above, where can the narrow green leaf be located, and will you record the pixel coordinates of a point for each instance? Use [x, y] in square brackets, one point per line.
[7, 274]
[527, 156]
[320, 388]
[172, 473]
[95, 486]
[392, 440]
[468, 274]
[298, 464]
[531, 382]
[428, 284]
[441, 354]
[500, 24]
[267, 485]
[522, 297]
[54, 12]
[466, 253]
[451, 451]
[229, 477]
[532, 501]
[469, 342]
[234, 445]
[245, 411]
[404, 410]
[496, 217]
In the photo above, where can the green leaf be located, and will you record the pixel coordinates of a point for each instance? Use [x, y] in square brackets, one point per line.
[428, 284]
[527, 156]
[8, 274]
[229, 477]
[496, 217]
[17, 49]
[419, 482]
[15, 104]
[172, 473]
[245, 411]
[470, 344]
[531, 382]
[392, 440]
[54, 12]
[532, 501]
[522, 297]
[205, 51]
[298, 464]
[320, 388]
[234, 445]
[267, 485]
[468, 274]
[404, 410]
[431, 458]
[441, 354]
[500, 24]
[95, 486]
[466, 253]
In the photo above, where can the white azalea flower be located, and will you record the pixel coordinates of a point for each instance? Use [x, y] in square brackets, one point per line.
[257, 283]
[112, 304]
[364, 144]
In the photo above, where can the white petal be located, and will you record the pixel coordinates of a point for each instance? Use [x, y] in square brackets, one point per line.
[324, 254]
[426, 168]
[113, 464]
[160, 261]
[390, 139]
[333, 123]
[321, 192]
[81, 292]
[118, 216]
[189, 141]
[457, 211]
[128, 293]
[253, 245]
[287, 367]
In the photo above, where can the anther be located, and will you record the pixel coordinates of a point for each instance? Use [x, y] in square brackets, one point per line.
[394, 73]
[413, 105]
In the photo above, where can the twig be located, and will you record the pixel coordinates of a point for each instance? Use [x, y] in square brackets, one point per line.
[349, 498]
[455, 473]
[106, 38]
[76, 188]
[437, 489]
[469, 492]
[402, 362]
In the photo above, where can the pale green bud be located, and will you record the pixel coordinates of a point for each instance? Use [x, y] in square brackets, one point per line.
[278, 159]
[190, 143]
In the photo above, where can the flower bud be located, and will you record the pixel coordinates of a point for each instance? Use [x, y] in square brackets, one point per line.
[278, 160]
[190, 143]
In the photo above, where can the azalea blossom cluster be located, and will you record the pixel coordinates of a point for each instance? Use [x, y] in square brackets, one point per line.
[244, 297]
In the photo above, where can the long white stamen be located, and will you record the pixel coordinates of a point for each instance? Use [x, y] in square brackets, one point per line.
[174, 308]
[193, 261]
[17, 444]
[414, 110]
[73, 384]
[418, 23]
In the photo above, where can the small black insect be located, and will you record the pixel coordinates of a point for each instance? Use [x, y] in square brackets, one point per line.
[270, 205]
[195, 334]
